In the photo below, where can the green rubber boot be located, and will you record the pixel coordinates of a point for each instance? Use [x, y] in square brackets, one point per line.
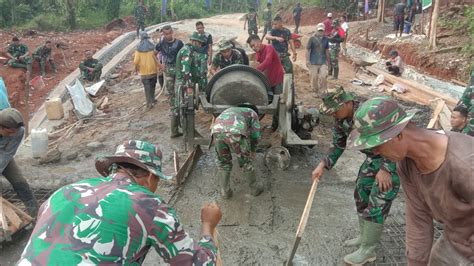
[356, 241]
[18, 65]
[256, 187]
[174, 127]
[224, 184]
[372, 233]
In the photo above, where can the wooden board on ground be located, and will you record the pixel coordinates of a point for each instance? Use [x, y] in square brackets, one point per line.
[12, 219]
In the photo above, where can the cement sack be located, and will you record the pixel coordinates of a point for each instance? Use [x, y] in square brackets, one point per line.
[3, 95]
[92, 90]
[82, 104]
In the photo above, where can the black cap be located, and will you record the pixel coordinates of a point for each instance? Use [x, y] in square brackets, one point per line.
[11, 118]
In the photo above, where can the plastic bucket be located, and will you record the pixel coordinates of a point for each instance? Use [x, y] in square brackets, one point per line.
[37, 82]
[407, 27]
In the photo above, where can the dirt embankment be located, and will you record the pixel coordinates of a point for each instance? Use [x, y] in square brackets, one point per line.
[75, 43]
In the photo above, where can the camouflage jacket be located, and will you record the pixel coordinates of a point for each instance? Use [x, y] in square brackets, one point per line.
[267, 17]
[252, 20]
[467, 99]
[340, 133]
[220, 62]
[140, 13]
[239, 121]
[89, 63]
[188, 67]
[42, 52]
[110, 220]
[17, 50]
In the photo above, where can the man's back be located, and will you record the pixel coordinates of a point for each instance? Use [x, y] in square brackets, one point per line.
[237, 121]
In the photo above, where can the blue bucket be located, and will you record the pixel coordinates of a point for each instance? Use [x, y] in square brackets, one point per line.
[407, 27]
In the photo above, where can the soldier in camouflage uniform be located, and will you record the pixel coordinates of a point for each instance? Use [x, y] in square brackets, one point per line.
[43, 54]
[91, 69]
[252, 20]
[237, 130]
[188, 75]
[225, 57]
[18, 55]
[335, 41]
[140, 13]
[281, 39]
[435, 171]
[116, 219]
[467, 99]
[267, 18]
[377, 182]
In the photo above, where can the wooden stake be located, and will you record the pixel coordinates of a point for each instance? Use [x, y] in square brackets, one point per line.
[437, 111]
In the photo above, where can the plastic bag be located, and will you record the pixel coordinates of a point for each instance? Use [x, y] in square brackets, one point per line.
[82, 104]
[92, 90]
[4, 103]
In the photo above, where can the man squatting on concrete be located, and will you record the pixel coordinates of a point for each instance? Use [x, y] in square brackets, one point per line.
[436, 173]
[117, 218]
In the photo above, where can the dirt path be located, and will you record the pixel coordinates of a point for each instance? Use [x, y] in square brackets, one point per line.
[254, 230]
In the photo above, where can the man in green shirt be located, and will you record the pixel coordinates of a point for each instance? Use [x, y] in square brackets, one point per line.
[90, 68]
[17, 54]
[43, 54]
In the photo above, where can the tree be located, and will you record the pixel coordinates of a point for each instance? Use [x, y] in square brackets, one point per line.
[113, 8]
[381, 11]
[433, 24]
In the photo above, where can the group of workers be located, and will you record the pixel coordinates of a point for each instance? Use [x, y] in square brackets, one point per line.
[117, 218]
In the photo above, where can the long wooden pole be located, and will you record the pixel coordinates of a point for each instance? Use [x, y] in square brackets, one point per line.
[303, 221]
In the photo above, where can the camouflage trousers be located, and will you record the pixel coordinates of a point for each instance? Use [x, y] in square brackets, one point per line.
[226, 144]
[202, 71]
[20, 63]
[170, 80]
[469, 129]
[371, 203]
[334, 59]
[42, 63]
[140, 26]
[286, 62]
[253, 30]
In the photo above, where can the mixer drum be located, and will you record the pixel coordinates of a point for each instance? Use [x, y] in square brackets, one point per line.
[238, 84]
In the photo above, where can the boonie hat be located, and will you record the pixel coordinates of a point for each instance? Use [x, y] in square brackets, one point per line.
[223, 45]
[332, 101]
[140, 153]
[197, 37]
[377, 121]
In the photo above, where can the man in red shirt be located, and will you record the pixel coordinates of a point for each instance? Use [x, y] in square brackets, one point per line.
[328, 25]
[270, 65]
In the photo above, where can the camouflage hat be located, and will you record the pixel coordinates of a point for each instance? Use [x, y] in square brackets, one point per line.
[377, 121]
[197, 37]
[140, 153]
[11, 118]
[223, 45]
[336, 23]
[332, 101]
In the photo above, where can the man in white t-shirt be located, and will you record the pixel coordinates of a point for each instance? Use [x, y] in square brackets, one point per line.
[345, 27]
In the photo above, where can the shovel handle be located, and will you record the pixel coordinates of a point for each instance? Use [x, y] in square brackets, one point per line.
[303, 221]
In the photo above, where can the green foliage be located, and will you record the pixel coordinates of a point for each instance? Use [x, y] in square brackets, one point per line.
[185, 9]
[113, 8]
[45, 22]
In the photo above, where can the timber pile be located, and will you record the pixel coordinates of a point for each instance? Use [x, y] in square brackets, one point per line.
[12, 219]
[441, 117]
[416, 92]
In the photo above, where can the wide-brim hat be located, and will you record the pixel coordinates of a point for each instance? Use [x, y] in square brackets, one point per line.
[224, 46]
[376, 122]
[333, 101]
[140, 153]
[197, 37]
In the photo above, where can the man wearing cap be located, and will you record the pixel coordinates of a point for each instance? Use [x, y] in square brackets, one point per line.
[377, 182]
[237, 130]
[117, 218]
[17, 53]
[317, 59]
[251, 19]
[281, 39]
[91, 68]
[188, 74]
[42, 54]
[225, 57]
[436, 173]
[328, 25]
[11, 134]
[335, 40]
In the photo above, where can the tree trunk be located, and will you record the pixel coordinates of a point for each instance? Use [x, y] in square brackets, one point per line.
[381, 11]
[433, 25]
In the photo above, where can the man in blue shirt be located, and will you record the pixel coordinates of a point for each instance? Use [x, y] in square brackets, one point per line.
[297, 16]
[317, 60]
[11, 134]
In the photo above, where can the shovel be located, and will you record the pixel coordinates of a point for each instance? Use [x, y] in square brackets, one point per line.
[303, 221]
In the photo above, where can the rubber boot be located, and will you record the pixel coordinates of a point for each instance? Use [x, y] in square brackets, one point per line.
[255, 187]
[372, 233]
[43, 68]
[19, 65]
[356, 241]
[224, 184]
[174, 127]
[336, 72]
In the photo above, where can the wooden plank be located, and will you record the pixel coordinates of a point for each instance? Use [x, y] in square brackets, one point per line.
[23, 215]
[458, 82]
[188, 165]
[444, 119]
[435, 116]
[13, 219]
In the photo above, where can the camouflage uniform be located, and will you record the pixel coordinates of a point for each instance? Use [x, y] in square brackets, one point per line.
[220, 62]
[467, 99]
[252, 23]
[372, 204]
[236, 130]
[140, 12]
[17, 51]
[282, 48]
[203, 53]
[92, 63]
[41, 54]
[334, 49]
[113, 220]
[267, 18]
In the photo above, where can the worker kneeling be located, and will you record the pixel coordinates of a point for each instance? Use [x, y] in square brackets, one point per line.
[237, 130]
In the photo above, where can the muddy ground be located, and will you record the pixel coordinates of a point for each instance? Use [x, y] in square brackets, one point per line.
[254, 230]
